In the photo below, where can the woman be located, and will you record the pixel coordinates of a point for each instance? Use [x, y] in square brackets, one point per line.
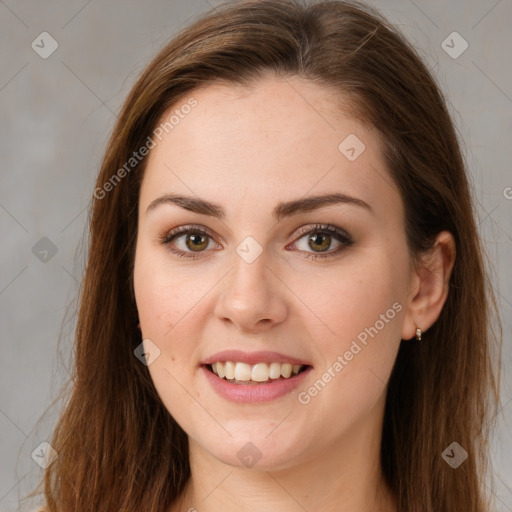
[285, 305]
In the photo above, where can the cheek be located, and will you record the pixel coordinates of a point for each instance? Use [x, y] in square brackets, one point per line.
[165, 302]
[355, 323]
[164, 295]
[343, 303]
[174, 305]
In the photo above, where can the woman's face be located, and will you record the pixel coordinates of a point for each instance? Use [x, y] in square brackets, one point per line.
[269, 258]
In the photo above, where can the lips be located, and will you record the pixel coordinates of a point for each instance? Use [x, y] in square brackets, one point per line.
[254, 392]
[262, 386]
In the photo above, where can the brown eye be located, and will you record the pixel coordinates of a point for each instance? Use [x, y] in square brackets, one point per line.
[319, 242]
[197, 241]
[189, 241]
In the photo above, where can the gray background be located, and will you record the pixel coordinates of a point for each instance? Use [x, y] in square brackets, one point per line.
[56, 115]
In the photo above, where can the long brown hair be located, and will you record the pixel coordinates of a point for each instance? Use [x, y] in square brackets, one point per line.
[118, 447]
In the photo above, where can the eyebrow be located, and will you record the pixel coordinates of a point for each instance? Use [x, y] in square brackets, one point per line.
[283, 209]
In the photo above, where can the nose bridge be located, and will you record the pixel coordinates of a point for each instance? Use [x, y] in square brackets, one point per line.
[249, 283]
[250, 277]
[250, 298]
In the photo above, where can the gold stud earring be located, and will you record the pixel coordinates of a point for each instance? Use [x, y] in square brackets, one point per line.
[418, 334]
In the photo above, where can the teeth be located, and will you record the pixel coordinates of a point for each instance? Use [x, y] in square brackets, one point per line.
[230, 370]
[260, 372]
[275, 370]
[242, 371]
[286, 370]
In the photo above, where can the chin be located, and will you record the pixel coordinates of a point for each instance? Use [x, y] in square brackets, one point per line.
[258, 453]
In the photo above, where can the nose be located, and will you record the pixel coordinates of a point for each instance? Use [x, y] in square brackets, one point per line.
[252, 298]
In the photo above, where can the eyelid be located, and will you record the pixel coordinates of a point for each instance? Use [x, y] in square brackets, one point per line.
[170, 234]
[180, 230]
[343, 238]
[329, 228]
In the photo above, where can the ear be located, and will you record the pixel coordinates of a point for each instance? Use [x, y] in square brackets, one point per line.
[429, 286]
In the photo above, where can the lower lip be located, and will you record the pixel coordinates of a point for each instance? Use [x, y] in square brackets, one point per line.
[254, 393]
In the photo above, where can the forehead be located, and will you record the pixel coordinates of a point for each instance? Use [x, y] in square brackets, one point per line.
[276, 140]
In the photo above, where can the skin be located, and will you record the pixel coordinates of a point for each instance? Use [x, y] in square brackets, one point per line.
[247, 149]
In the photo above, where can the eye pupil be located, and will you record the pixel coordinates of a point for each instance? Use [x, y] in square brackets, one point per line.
[196, 241]
[321, 239]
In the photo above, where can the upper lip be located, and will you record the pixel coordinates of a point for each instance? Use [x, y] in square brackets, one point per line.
[253, 357]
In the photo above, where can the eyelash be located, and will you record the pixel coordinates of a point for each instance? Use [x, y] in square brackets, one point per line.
[338, 233]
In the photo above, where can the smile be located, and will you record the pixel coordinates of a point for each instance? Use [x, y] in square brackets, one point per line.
[248, 391]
